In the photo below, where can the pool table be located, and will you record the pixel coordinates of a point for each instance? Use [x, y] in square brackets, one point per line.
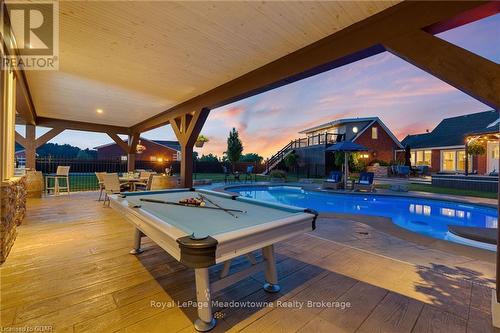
[226, 227]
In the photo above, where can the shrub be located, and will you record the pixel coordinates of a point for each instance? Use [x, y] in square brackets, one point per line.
[380, 162]
[278, 174]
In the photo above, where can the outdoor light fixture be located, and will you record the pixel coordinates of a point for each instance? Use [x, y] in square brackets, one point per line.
[355, 129]
[99, 111]
[140, 148]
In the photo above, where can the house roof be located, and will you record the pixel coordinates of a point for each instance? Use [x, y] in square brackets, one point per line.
[338, 122]
[366, 123]
[452, 131]
[174, 145]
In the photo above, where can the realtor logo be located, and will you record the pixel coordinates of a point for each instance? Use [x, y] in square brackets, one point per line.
[31, 32]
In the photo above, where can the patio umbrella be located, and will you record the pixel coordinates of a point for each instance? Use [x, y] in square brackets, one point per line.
[408, 155]
[346, 147]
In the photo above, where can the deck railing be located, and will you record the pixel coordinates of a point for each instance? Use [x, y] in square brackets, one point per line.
[319, 139]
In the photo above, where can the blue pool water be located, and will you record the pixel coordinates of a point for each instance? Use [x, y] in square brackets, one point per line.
[426, 217]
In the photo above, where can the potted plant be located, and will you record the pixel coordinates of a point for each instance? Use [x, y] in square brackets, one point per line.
[475, 148]
[201, 141]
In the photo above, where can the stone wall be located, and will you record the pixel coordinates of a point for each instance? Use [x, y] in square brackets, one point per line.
[12, 212]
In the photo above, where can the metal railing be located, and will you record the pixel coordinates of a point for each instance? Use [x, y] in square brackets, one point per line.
[319, 139]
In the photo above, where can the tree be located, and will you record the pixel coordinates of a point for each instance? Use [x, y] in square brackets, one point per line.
[209, 158]
[291, 160]
[251, 157]
[234, 147]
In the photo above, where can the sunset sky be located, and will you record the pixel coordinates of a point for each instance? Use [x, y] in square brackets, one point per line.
[406, 98]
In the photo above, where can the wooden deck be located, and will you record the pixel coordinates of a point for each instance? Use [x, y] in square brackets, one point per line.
[70, 269]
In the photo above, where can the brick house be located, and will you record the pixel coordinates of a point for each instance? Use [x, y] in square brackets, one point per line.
[154, 150]
[443, 149]
[370, 132]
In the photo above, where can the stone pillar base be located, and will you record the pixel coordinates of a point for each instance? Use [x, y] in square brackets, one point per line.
[12, 211]
[495, 309]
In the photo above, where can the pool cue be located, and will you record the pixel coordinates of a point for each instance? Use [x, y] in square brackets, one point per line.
[186, 205]
[216, 205]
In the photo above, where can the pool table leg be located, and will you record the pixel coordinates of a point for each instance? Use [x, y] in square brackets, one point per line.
[137, 242]
[206, 320]
[271, 274]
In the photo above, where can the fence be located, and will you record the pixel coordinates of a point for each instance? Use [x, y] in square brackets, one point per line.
[82, 172]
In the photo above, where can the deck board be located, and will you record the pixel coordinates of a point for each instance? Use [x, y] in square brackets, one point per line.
[70, 268]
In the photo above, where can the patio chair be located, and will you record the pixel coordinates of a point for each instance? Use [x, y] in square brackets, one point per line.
[100, 181]
[403, 171]
[365, 182]
[249, 173]
[146, 184]
[333, 181]
[112, 185]
[62, 173]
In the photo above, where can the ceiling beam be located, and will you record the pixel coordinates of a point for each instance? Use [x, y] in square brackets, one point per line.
[464, 70]
[81, 126]
[43, 139]
[122, 144]
[356, 42]
[20, 139]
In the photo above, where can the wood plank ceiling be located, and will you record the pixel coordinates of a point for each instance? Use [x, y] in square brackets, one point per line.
[136, 59]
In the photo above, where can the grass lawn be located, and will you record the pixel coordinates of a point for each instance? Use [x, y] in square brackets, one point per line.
[445, 190]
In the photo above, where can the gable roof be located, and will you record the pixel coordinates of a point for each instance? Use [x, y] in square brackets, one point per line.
[339, 122]
[385, 128]
[452, 131]
[364, 124]
[173, 145]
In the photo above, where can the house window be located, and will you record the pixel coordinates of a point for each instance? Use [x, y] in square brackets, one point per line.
[454, 160]
[123, 158]
[421, 157]
[374, 133]
[448, 161]
[153, 158]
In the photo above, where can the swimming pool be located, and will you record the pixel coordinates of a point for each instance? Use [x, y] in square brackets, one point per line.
[424, 216]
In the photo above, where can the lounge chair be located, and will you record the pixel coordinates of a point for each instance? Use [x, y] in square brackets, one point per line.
[333, 181]
[365, 182]
[249, 173]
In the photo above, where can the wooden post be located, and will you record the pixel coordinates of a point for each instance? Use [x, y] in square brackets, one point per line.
[7, 124]
[133, 139]
[466, 157]
[30, 147]
[187, 128]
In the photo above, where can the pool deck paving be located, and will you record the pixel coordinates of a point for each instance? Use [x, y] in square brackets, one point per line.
[70, 269]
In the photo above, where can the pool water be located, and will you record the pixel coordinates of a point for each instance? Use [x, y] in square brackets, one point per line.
[427, 217]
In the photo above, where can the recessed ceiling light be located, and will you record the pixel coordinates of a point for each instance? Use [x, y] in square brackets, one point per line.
[99, 110]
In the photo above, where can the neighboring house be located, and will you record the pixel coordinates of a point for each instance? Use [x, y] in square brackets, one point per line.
[443, 149]
[370, 132]
[154, 150]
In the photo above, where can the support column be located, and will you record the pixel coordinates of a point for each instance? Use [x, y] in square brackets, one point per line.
[466, 158]
[132, 149]
[187, 128]
[30, 147]
[7, 124]
[187, 165]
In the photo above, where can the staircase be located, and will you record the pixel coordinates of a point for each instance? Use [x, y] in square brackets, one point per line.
[272, 162]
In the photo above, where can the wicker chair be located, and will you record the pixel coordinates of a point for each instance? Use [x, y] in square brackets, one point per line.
[100, 181]
[365, 182]
[334, 181]
[112, 185]
[62, 173]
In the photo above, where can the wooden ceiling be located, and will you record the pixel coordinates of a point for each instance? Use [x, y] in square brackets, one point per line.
[136, 59]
